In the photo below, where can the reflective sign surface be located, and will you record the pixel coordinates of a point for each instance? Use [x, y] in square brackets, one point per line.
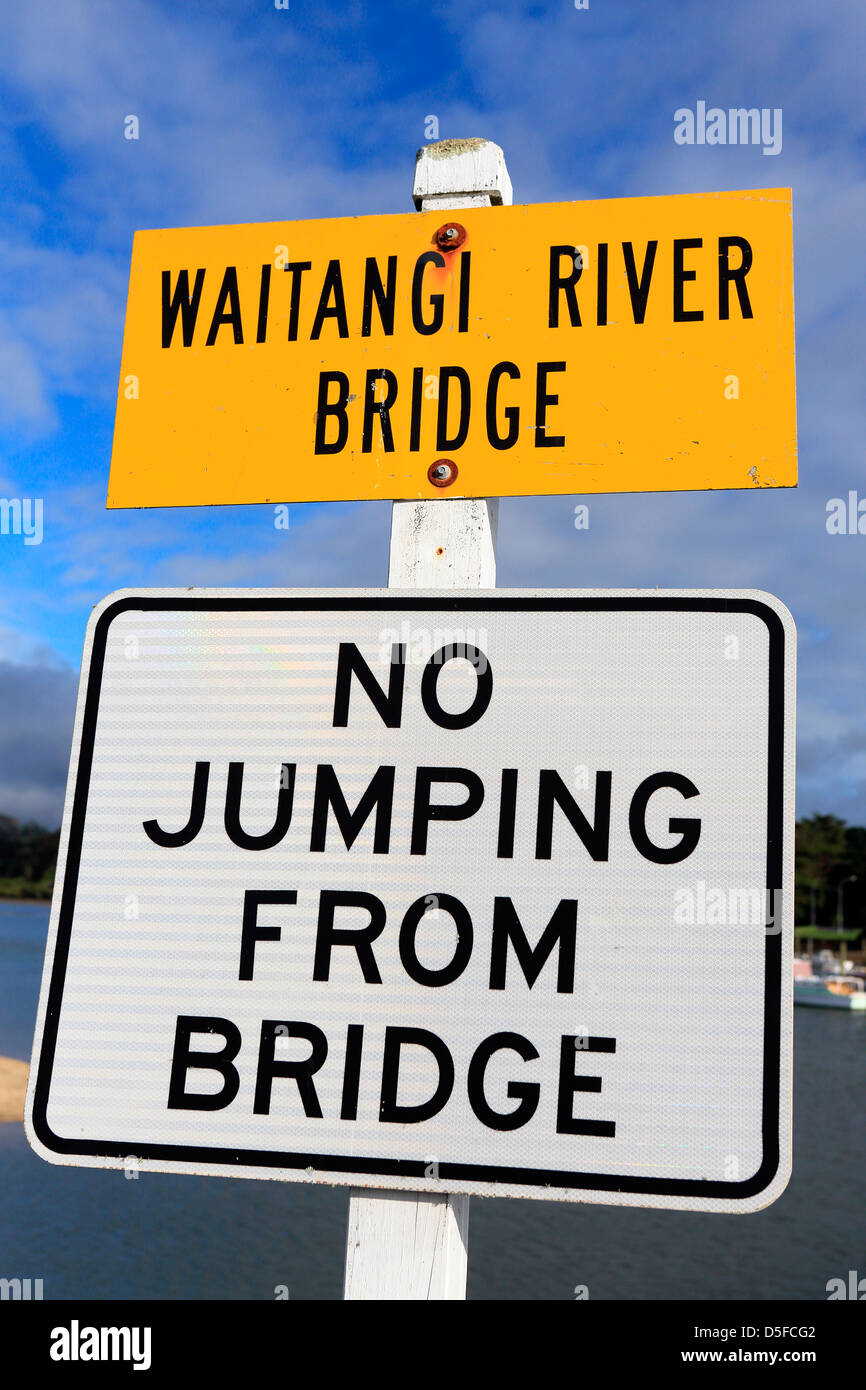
[476, 893]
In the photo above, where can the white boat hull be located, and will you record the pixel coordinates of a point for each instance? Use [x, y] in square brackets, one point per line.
[817, 995]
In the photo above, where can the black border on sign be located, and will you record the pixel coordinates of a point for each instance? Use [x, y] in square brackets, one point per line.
[415, 1168]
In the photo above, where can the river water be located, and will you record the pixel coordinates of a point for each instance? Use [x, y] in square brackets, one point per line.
[92, 1234]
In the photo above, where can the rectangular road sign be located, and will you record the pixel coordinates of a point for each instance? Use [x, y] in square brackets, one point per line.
[629, 345]
[480, 893]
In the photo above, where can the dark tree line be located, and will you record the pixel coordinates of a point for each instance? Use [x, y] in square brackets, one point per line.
[830, 872]
[27, 851]
[830, 861]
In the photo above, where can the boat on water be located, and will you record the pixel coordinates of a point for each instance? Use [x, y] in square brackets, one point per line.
[828, 989]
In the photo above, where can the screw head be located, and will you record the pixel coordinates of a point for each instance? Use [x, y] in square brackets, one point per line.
[450, 236]
[442, 473]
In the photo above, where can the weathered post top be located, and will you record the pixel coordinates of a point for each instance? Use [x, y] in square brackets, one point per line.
[469, 173]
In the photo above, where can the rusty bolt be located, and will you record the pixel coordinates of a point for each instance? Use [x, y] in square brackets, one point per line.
[449, 237]
[442, 473]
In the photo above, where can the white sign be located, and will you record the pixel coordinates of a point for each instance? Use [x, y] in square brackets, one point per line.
[482, 892]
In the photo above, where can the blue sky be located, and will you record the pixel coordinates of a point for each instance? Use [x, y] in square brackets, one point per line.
[251, 113]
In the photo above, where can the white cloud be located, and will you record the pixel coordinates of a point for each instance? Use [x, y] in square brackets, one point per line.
[23, 396]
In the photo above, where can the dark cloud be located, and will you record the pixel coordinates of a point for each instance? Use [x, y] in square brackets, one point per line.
[37, 708]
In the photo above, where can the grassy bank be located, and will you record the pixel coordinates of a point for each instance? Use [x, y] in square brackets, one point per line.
[24, 889]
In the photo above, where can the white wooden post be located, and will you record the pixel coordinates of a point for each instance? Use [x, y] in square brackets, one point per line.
[413, 1245]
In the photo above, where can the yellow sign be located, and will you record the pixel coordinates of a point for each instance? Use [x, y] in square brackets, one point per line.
[630, 345]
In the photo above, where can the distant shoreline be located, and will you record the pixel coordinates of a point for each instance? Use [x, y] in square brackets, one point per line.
[17, 889]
